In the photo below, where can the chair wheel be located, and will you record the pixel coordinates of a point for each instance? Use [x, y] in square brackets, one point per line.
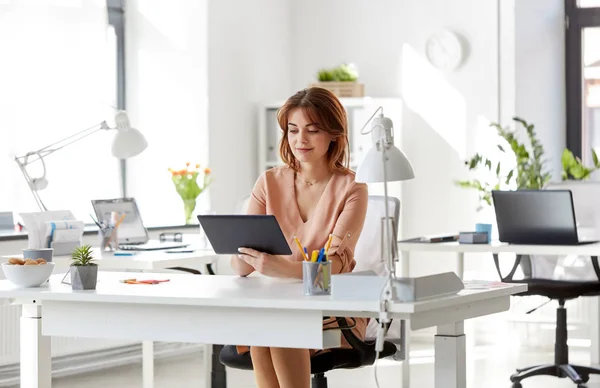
[517, 385]
[585, 378]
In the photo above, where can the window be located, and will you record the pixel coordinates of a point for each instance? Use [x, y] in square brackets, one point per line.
[583, 77]
[59, 74]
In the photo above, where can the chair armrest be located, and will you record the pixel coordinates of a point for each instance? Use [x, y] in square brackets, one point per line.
[508, 278]
[596, 266]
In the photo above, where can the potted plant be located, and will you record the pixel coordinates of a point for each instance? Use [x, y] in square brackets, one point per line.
[341, 81]
[186, 185]
[84, 272]
[529, 171]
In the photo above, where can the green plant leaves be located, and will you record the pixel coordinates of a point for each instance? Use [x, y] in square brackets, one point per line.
[529, 173]
[573, 168]
[342, 73]
[82, 256]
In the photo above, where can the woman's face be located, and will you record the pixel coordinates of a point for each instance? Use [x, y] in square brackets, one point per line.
[309, 143]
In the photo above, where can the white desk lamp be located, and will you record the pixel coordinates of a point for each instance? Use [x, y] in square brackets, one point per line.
[385, 163]
[128, 142]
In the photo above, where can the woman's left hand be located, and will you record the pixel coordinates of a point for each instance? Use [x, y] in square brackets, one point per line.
[266, 264]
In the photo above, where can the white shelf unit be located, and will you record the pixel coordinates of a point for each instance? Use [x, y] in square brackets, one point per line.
[358, 109]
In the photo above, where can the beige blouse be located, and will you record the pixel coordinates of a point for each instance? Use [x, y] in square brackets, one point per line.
[341, 211]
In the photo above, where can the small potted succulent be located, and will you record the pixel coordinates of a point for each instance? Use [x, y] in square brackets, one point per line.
[84, 272]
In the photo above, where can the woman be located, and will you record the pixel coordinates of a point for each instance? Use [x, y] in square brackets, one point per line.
[312, 196]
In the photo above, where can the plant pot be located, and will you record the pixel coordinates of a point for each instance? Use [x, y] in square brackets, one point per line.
[84, 277]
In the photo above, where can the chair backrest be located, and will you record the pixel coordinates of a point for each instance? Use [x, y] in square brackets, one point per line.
[369, 255]
[242, 206]
[368, 252]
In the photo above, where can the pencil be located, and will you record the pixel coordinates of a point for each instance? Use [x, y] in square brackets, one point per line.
[328, 243]
[300, 247]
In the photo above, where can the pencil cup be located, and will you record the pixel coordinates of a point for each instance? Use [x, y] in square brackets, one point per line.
[108, 239]
[316, 278]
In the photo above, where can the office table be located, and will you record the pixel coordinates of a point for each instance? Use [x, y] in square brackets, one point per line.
[148, 261]
[496, 248]
[229, 310]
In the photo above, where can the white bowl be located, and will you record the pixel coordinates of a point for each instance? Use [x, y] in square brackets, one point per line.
[27, 275]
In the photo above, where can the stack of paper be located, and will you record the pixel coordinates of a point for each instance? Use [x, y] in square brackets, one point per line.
[53, 229]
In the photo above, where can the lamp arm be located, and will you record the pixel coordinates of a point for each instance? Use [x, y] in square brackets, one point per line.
[51, 148]
[30, 184]
[33, 156]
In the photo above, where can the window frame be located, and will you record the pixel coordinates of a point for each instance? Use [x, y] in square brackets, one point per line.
[576, 19]
[116, 18]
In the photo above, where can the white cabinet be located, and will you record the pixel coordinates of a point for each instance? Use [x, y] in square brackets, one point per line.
[359, 110]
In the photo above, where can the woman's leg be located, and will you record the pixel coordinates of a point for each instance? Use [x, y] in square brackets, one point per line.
[292, 367]
[264, 373]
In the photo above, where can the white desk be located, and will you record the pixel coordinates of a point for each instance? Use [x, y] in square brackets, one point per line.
[212, 309]
[497, 247]
[146, 261]
[143, 260]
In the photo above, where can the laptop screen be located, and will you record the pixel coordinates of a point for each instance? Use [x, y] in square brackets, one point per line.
[131, 230]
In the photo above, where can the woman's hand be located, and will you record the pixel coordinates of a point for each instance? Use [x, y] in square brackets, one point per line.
[270, 265]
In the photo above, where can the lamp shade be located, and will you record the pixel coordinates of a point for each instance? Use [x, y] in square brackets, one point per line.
[397, 166]
[128, 141]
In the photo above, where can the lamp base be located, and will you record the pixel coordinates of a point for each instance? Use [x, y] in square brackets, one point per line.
[367, 285]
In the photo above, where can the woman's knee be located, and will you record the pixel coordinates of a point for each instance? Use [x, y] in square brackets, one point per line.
[260, 353]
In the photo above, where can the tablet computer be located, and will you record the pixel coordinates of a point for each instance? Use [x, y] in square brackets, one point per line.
[227, 233]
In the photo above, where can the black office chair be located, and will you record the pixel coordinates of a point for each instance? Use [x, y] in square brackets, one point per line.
[361, 354]
[560, 290]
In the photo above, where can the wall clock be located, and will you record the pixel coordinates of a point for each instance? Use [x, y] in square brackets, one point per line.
[445, 50]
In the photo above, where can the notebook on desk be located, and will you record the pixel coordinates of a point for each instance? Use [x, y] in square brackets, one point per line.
[433, 238]
[132, 234]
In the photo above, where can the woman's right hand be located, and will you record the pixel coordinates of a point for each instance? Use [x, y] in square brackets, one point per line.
[240, 267]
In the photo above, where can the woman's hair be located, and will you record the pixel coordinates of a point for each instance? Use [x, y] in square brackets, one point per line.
[323, 108]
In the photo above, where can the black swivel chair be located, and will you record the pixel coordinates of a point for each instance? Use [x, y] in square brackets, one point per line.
[361, 354]
[561, 291]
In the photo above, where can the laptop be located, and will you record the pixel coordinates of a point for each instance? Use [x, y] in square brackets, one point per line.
[132, 235]
[537, 217]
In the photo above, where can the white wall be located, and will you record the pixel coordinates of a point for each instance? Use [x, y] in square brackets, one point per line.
[248, 62]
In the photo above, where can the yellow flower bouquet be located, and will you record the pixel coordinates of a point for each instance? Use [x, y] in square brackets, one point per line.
[186, 185]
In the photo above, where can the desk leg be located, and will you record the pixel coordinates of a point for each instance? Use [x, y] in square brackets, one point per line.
[405, 332]
[148, 364]
[36, 357]
[450, 356]
[460, 264]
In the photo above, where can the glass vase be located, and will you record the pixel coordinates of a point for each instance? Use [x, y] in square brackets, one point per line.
[188, 206]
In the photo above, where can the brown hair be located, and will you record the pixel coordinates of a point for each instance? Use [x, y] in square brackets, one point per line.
[324, 108]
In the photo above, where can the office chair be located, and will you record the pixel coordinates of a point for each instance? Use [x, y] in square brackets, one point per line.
[362, 353]
[560, 290]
